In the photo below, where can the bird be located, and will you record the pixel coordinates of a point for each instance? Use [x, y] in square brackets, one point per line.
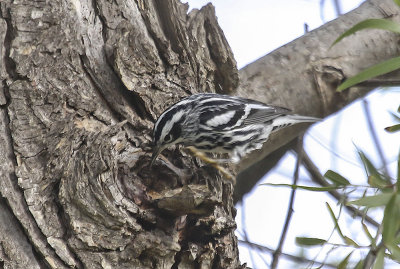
[217, 123]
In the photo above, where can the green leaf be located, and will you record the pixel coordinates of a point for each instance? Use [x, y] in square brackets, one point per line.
[309, 241]
[391, 219]
[370, 24]
[308, 188]
[336, 178]
[360, 264]
[398, 173]
[393, 128]
[380, 262]
[350, 242]
[395, 117]
[397, 2]
[373, 71]
[335, 220]
[365, 228]
[344, 262]
[395, 251]
[377, 182]
[370, 168]
[372, 201]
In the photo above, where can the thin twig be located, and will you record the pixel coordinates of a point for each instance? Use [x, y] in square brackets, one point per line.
[332, 150]
[379, 82]
[291, 257]
[371, 256]
[289, 214]
[338, 8]
[244, 229]
[317, 177]
[321, 10]
[375, 137]
[333, 139]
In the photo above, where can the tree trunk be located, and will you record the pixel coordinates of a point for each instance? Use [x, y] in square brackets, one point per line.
[82, 84]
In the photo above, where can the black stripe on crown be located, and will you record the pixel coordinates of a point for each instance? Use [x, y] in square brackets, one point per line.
[167, 116]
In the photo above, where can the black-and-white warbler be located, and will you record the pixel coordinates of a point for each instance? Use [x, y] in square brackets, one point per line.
[221, 124]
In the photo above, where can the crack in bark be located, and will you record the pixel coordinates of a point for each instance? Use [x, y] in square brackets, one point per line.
[64, 219]
[86, 68]
[178, 42]
[6, 93]
[39, 257]
[99, 15]
[131, 97]
[177, 258]
[162, 49]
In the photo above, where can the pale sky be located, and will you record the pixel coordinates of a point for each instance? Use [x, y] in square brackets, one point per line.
[255, 27]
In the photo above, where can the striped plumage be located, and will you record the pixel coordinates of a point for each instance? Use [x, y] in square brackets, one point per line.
[221, 124]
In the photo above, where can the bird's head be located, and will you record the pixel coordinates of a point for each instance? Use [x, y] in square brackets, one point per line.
[167, 131]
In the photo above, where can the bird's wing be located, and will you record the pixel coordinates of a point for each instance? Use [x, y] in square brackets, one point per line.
[263, 113]
[228, 113]
[221, 117]
[259, 113]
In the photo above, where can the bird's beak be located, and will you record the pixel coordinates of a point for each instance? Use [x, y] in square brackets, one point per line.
[157, 150]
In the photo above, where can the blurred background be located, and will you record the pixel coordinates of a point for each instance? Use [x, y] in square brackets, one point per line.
[253, 28]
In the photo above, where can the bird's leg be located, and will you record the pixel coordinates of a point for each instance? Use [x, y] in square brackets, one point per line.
[215, 163]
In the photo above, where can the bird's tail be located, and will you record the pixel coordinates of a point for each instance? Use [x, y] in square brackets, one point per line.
[298, 118]
[287, 120]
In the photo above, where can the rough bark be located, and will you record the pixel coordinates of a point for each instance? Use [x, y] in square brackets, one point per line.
[82, 83]
[303, 75]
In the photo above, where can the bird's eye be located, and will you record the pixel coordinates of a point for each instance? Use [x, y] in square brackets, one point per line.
[168, 138]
